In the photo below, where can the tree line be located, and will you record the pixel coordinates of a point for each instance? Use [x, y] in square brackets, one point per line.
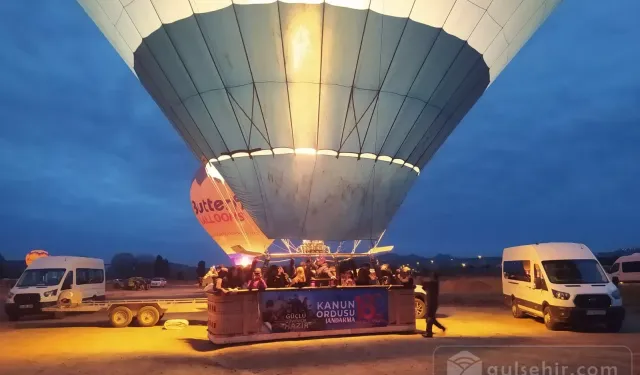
[125, 265]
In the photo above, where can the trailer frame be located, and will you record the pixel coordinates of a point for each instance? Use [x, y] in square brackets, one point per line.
[121, 313]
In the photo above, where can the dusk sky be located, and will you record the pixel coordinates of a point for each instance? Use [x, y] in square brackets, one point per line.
[90, 166]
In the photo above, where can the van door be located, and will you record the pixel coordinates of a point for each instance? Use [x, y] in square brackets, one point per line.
[538, 294]
[520, 282]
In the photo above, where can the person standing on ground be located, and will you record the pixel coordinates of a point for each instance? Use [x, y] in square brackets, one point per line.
[432, 287]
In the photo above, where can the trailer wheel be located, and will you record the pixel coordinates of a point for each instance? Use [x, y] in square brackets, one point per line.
[148, 316]
[120, 317]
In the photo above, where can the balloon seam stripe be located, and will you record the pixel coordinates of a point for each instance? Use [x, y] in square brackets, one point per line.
[286, 76]
[475, 85]
[246, 54]
[428, 101]
[355, 73]
[193, 82]
[320, 77]
[163, 72]
[395, 51]
[222, 80]
[169, 81]
[426, 57]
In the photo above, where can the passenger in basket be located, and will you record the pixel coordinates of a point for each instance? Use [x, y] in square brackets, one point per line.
[405, 278]
[386, 275]
[373, 278]
[257, 283]
[300, 281]
[235, 278]
[281, 278]
[209, 277]
[348, 279]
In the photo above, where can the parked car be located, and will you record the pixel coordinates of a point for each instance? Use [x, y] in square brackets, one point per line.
[158, 282]
[137, 283]
[119, 283]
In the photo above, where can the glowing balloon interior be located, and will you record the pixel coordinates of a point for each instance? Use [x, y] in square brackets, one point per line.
[223, 216]
[35, 254]
[319, 114]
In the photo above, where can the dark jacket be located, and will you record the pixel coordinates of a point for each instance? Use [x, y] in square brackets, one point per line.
[432, 287]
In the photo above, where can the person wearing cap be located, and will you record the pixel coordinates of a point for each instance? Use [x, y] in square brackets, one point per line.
[257, 282]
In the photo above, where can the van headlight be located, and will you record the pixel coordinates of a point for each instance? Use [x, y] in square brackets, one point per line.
[560, 295]
[616, 294]
[51, 293]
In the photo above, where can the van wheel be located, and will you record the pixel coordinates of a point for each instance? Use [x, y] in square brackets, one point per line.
[548, 321]
[420, 308]
[120, 317]
[515, 310]
[148, 316]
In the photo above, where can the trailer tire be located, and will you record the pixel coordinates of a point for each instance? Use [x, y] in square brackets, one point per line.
[148, 316]
[120, 317]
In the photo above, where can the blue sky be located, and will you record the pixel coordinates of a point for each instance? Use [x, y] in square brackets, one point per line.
[90, 166]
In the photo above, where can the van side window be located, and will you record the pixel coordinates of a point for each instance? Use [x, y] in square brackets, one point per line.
[614, 268]
[68, 281]
[517, 270]
[630, 267]
[86, 276]
[537, 273]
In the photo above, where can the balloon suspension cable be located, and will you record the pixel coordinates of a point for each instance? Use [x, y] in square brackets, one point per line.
[279, 247]
[380, 238]
[355, 246]
[288, 244]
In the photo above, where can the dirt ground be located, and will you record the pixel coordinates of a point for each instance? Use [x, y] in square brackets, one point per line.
[87, 345]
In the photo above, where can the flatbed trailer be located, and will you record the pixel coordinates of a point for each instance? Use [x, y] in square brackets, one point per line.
[146, 311]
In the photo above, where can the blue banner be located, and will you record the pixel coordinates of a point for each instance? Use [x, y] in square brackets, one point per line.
[323, 309]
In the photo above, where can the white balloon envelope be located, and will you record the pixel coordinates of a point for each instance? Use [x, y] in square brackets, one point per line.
[319, 114]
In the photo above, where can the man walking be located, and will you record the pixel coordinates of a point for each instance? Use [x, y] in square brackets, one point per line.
[432, 287]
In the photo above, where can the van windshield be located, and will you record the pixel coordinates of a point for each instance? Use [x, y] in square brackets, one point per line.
[575, 271]
[41, 277]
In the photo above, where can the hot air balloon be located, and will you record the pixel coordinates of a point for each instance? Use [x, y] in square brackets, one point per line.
[319, 114]
[35, 254]
[224, 218]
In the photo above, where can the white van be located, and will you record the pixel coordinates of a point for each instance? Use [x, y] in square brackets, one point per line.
[42, 282]
[626, 269]
[563, 283]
